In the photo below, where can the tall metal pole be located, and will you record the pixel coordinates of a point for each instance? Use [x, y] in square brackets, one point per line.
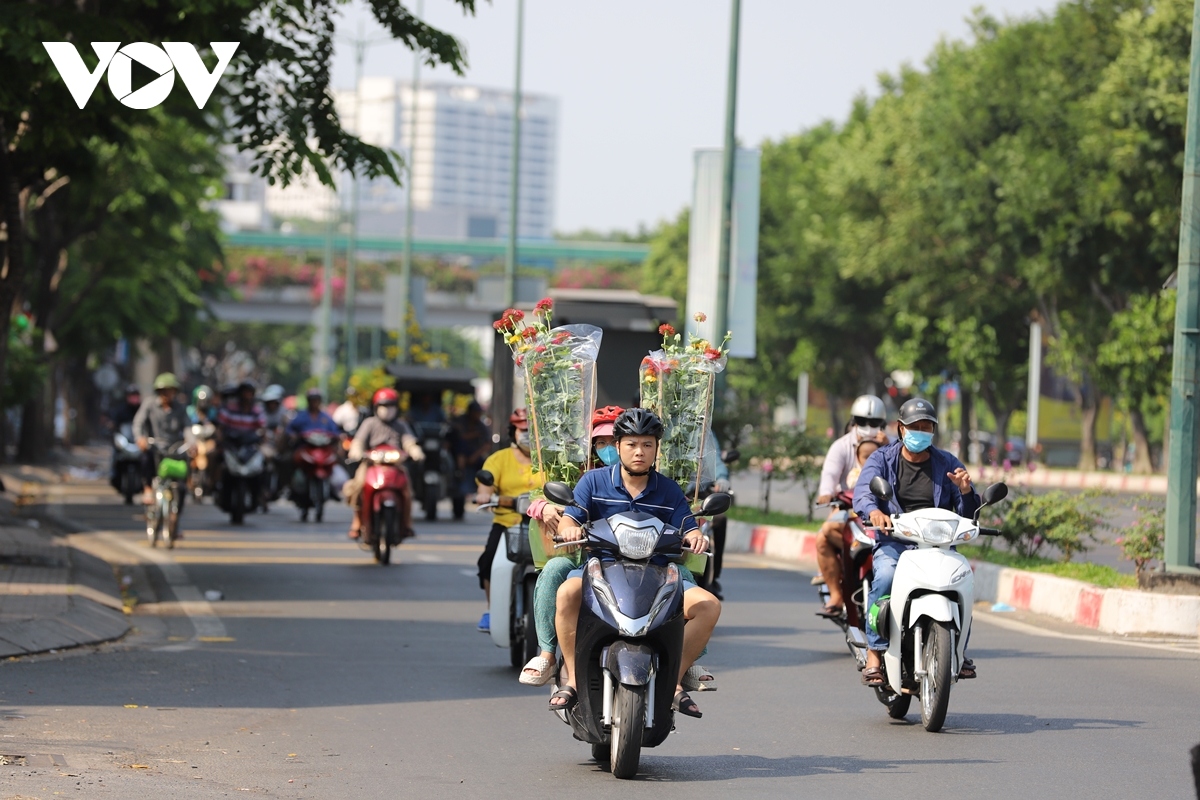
[1033, 400]
[351, 331]
[729, 156]
[1180, 549]
[406, 260]
[326, 332]
[510, 258]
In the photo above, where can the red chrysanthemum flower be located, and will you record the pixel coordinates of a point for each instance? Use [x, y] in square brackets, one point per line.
[545, 305]
[666, 329]
[541, 348]
[712, 353]
[538, 367]
[529, 333]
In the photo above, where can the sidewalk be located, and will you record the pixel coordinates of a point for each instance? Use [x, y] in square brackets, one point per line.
[52, 595]
[1124, 612]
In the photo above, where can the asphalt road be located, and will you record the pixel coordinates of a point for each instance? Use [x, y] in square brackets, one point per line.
[322, 675]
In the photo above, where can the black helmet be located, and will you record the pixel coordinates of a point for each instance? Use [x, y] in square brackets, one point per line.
[638, 422]
[917, 408]
[229, 389]
[247, 384]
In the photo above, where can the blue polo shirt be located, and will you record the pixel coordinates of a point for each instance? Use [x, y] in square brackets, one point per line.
[602, 493]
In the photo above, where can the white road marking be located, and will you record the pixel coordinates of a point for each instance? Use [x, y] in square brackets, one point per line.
[205, 622]
[1033, 630]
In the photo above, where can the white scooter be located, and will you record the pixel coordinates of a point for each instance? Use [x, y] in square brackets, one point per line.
[928, 614]
[513, 577]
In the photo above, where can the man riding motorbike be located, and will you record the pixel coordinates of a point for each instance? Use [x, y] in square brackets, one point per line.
[634, 485]
[512, 469]
[310, 420]
[922, 476]
[202, 409]
[124, 415]
[162, 419]
[867, 417]
[348, 415]
[384, 429]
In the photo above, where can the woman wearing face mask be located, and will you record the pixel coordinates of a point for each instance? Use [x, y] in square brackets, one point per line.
[604, 453]
[384, 429]
[512, 469]
[922, 476]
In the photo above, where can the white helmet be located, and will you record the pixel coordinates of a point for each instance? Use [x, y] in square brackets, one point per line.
[273, 393]
[868, 406]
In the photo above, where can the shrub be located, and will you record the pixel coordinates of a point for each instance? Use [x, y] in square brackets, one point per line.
[1030, 521]
[1142, 542]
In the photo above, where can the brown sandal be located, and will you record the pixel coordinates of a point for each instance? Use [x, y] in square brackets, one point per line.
[967, 671]
[872, 676]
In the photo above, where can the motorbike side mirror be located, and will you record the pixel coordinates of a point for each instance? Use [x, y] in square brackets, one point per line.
[881, 489]
[485, 478]
[521, 504]
[715, 503]
[995, 493]
[731, 456]
[560, 493]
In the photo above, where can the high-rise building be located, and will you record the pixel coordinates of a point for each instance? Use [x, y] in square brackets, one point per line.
[461, 169]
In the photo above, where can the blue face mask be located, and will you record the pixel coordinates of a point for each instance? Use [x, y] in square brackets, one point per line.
[917, 441]
[608, 455]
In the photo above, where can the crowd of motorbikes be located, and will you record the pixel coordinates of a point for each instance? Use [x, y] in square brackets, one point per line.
[244, 472]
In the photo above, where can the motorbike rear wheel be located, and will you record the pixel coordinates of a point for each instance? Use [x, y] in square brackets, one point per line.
[316, 496]
[629, 720]
[898, 707]
[521, 626]
[385, 533]
[237, 503]
[935, 686]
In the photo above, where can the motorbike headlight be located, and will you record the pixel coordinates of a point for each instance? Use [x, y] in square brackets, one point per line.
[636, 543]
[936, 531]
[121, 441]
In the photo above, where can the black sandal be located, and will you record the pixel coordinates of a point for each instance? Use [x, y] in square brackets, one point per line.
[685, 705]
[568, 694]
[830, 612]
[967, 671]
[872, 676]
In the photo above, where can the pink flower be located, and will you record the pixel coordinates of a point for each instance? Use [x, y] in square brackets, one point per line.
[666, 329]
[700, 316]
[544, 306]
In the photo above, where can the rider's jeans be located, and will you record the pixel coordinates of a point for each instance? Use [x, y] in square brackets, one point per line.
[883, 561]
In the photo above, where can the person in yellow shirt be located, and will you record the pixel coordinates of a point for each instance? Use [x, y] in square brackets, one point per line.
[512, 470]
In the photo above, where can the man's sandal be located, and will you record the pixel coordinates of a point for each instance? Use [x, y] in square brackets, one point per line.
[698, 679]
[831, 612]
[566, 694]
[872, 676]
[685, 705]
[544, 669]
[967, 671]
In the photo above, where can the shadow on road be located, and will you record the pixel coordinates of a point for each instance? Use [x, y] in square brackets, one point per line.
[1002, 724]
[687, 769]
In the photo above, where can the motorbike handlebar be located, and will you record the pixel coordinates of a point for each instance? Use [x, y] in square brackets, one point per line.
[989, 532]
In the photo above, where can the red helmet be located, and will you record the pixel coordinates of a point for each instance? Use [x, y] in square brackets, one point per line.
[603, 419]
[519, 420]
[386, 397]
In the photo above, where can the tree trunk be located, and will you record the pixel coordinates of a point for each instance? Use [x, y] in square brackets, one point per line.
[12, 271]
[964, 424]
[1141, 443]
[1087, 428]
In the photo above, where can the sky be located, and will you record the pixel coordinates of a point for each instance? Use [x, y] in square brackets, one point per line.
[641, 83]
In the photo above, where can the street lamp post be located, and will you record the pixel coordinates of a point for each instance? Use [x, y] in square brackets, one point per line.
[514, 180]
[729, 160]
[1180, 544]
[406, 260]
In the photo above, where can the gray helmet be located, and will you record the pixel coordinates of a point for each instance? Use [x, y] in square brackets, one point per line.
[868, 409]
[273, 394]
[918, 408]
[638, 422]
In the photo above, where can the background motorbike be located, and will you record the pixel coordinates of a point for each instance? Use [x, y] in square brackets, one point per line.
[315, 457]
[168, 486]
[129, 464]
[433, 476]
[512, 580]
[629, 640]
[200, 477]
[240, 485]
[857, 546]
[928, 615]
[382, 502]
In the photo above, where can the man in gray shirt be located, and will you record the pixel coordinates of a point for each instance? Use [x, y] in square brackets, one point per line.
[166, 422]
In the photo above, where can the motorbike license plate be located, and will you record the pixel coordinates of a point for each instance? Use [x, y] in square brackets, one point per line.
[432, 477]
[432, 444]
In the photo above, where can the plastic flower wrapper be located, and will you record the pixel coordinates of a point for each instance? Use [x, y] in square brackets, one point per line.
[676, 383]
[559, 367]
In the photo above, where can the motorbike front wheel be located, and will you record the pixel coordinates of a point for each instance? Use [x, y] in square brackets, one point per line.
[935, 685]
[629, 720]
[237, 503]
[601, 754]
[385, 533]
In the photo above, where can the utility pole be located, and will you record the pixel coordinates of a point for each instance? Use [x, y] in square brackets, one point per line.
[510, 258]
[406, 260]
[327, 300]
[729, 156]
[1180, 545]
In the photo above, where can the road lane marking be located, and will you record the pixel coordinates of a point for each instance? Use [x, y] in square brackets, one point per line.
[205, 622]
[1034, 630]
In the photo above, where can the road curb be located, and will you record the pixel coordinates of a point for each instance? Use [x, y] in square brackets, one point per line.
[1118, 611]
